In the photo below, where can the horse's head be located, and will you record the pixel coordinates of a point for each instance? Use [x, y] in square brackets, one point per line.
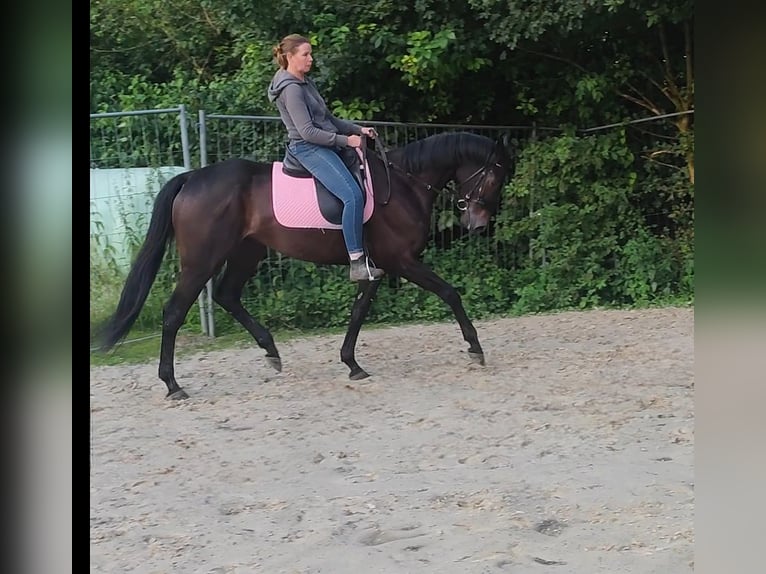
[480, 186]
[476, 163]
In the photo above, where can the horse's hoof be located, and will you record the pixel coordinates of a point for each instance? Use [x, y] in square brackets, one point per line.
[476, 357]
[275, 362]
[178, 395]
[358, 374]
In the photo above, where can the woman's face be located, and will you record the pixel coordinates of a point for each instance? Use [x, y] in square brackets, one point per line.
[300, 60]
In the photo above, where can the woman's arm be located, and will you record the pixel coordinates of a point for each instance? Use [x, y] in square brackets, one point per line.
[345, 126]
[296, 107]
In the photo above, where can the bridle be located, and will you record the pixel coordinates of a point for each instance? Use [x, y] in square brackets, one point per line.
[461, 203]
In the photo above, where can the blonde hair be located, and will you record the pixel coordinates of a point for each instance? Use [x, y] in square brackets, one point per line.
[288, 45]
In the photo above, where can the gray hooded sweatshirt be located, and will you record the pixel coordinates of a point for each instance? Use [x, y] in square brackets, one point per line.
[305, 114]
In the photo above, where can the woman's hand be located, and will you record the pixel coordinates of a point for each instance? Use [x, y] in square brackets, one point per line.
[369, 132]
[354, 141]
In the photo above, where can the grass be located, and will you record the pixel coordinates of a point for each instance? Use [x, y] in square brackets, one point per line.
[145, 347]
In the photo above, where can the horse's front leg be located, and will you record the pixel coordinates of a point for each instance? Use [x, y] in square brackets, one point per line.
[424, 276]
[364, 295]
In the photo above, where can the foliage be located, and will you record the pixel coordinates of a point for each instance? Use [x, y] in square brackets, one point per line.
[583, 223]
[485, 60]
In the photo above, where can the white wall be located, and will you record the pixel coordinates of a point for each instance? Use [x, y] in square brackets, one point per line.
[121, 203]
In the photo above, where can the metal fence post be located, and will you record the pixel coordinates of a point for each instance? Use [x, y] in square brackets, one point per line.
[203, 163]
[187, 164]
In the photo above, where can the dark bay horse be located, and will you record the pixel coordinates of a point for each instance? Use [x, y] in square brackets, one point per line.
[222, 215]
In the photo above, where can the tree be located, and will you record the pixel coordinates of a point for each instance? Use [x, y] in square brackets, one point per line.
[639, 50]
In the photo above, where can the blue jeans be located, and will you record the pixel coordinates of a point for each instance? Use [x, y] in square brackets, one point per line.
[325, 165]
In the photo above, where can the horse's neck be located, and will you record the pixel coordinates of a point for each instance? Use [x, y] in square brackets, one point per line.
[425, 186]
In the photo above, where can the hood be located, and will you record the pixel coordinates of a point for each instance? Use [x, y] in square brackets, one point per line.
[281, 79]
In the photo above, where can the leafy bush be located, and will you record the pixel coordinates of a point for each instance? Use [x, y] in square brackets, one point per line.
[576, 205]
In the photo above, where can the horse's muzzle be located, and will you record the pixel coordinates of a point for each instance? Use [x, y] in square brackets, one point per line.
[474, 222]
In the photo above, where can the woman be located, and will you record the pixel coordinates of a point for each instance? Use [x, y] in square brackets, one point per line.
[315, 136]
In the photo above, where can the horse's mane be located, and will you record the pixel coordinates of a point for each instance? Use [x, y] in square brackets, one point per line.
[445, 150]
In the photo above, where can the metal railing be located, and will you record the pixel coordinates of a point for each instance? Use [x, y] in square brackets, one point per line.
[157, 139]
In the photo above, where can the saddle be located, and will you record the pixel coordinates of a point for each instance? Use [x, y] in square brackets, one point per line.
[330, 206]
[300, 201]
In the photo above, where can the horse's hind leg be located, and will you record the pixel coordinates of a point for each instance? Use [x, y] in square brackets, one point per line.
[189, 285]
[364, 295]
[242, 264]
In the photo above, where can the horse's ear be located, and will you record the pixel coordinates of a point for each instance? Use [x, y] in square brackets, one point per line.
[503, 143]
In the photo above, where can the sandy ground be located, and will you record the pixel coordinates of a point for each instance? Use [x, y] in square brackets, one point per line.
[571, 451]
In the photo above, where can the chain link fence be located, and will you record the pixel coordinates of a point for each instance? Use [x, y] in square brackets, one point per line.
[263, 138]
[134, 153]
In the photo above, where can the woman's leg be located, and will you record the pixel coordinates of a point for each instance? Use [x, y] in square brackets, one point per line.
[327, 167]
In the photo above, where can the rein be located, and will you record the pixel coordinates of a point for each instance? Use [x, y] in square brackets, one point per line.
[381, 149]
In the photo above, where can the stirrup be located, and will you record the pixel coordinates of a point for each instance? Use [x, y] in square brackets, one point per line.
[362, 270]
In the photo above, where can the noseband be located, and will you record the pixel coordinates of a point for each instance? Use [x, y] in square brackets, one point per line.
[463, 202]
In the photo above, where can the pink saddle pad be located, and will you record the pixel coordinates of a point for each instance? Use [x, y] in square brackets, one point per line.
[295, 200]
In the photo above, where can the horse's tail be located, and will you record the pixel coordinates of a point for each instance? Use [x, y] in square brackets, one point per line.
[147, 264]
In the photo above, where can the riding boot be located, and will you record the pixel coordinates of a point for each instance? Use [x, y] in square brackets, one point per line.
[363, 270]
